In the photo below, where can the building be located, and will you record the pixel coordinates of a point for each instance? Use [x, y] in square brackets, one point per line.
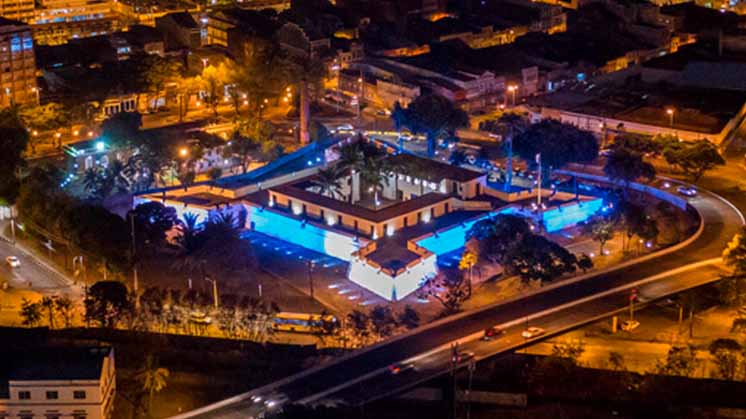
[391, 236]
[58, 21]
[17, 9]
[229, 28]
[180, 30]
[691, 113]
[56, 383]
[18, 75]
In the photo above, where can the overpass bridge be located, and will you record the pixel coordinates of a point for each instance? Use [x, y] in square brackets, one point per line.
[363, 376]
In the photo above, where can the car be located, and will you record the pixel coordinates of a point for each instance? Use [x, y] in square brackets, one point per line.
[629, 325]
[275, 401]
[345, 127]
[687, 190]
[532, 332]
[492, 333]
[199, 317]
[462, 356]
[401, 367]
[606, 152]
[383, 112]
[13, 261]
[666, 184]
[405, 137]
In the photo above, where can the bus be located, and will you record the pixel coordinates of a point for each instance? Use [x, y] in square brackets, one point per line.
[303, 322]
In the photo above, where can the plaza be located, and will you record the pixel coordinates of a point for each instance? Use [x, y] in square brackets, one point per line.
[392, 230]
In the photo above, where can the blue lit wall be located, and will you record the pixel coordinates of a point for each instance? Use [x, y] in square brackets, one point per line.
[308, 236]
[555, 219]
[558, 218]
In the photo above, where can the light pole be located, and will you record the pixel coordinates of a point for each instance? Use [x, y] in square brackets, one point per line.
[204, 63]
[38, 97]
[670, 113]
[309, 271]
[512, 88]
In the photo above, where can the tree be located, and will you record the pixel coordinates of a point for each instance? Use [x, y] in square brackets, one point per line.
[695, 158]
[359, 323]
[30, 313]
[680, 361]
[733, 286]
[105, 301]
[152, 379]
[435, 116]
[215, 78]
[375, 174]
[409, 318]
[383, 321]
[48, 304]
[14, 141]
[241, 148]
[467, 262]
[626, 166]
[215, 249]
[157, 72]
[214, 174]
[601, 230]
[510, 126]
[559, 143]
[49, 117]
[121, 129]
[152, 220]
[64, 307]
[727, 354]
[457, 158]
[449, 288]
[329, 181]
[616, 361]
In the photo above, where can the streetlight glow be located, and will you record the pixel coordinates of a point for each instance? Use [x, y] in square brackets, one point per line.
[183, 152]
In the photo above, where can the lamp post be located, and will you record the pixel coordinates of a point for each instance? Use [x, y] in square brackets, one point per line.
[512, 88]
[215, 300]
[135, 285]
[670, 113]
[38, 97]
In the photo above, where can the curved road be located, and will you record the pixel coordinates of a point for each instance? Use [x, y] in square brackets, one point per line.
[363, 376]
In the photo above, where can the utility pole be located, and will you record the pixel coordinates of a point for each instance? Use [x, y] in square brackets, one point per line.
[509, 165]
[538, 195]
[472, 368]
[632, 298]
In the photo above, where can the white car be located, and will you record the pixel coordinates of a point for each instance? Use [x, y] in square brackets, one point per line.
[532, 332]
[345, 127]
[629, 325]
[13, 261]
[275, 401]
[687, 190]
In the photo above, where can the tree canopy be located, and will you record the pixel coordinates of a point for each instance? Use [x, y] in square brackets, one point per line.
[431, 115]
[14, 141]
[694, 158]
[626, 166]
[558, 143]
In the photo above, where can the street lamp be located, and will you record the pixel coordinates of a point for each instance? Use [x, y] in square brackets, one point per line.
[183, 152]
[204, 63]
[670, 113]
[38, 98]
[512, 88]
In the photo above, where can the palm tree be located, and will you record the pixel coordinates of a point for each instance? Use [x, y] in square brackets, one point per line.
[375, 174]
[91, 180]
[48, 304]
[329, 181]
[152, 378]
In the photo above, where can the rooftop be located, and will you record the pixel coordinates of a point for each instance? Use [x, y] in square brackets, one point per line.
[433, 170]
[54, 363]
[697, 109]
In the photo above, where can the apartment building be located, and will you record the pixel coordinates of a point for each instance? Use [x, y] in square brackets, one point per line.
[56, 383]
[17, 9]
[17, 68]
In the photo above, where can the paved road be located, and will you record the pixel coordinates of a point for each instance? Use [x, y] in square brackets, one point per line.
[363, 376]
[33, 274]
